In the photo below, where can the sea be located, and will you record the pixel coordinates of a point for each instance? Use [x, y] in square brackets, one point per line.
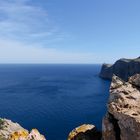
[54, 98]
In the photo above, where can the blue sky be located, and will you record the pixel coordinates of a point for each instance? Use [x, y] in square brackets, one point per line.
[69, 31]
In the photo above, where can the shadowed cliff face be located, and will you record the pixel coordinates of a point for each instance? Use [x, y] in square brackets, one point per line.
[123, 68]
[122, 121]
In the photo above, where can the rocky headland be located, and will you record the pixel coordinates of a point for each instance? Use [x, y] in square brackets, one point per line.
[121, 122]
[123, 68]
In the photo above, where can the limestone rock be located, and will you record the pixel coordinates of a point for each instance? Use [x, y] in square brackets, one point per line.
[116, 82]
[85, 132]
[13, 131]
[35, 135]
[19, 135]
[135, 80]
[108, 131]
[7, 127]
[123, 68]
[123, 117]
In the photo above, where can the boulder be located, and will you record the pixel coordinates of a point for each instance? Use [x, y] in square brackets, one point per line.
[85, 132]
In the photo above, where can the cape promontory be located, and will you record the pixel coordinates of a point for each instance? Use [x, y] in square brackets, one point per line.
[123, 68]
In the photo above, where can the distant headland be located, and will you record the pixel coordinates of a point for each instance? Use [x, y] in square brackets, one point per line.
[122, 68]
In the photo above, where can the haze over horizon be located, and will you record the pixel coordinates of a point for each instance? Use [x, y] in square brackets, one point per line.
[68, 31]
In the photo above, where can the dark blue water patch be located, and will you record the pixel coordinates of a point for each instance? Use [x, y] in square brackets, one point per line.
[53, 98]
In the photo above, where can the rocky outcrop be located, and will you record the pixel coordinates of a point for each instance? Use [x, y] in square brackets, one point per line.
[123, 68]
[85, 132]
[13, 131]
[122, 121]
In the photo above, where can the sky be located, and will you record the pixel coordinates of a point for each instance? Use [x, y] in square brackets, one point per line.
[69, 31]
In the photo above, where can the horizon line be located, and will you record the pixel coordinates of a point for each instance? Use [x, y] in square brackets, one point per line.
[52, 63]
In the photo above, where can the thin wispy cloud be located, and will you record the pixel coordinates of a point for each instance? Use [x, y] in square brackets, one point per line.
[18, 52]
[27, 35]
[21, 20]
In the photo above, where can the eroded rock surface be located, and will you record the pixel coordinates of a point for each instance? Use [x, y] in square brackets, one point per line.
[85, 132]
[123, 68]
[13, 131]
[122, 121]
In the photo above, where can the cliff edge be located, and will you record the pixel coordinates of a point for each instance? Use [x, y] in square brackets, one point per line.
[122, 121]
[123, 68]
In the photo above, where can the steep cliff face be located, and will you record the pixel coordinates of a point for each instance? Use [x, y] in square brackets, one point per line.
[122, 121]
[13, 131]
[123, 68]
[106, 71]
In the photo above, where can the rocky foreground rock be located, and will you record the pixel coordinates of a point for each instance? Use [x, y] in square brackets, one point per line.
[13, 131]
[122, 121]
[123, 68]
[85, 132]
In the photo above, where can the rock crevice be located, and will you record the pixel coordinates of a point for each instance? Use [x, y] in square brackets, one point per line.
[115, 126]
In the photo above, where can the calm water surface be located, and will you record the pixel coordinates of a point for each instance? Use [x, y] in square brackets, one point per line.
[53, 98]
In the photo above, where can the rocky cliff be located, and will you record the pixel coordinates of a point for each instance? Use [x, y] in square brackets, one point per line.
[122, 121]
[123, 68]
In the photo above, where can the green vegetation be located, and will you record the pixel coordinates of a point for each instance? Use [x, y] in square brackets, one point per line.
[1, 123]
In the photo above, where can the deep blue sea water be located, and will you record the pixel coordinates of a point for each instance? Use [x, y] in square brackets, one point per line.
[53, 98]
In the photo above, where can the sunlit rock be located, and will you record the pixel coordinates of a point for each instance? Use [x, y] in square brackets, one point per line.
[13, 131]
[85, 132]
[122, 121]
